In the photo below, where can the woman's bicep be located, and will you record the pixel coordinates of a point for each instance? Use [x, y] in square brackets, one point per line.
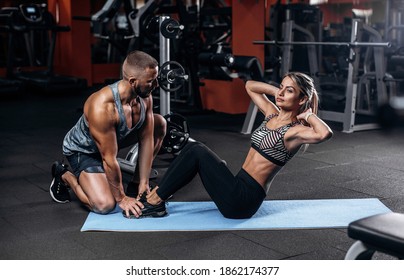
[297, 136]
[307, 135]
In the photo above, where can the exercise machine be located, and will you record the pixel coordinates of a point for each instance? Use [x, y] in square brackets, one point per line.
[308, 21]
[9, 87]
[379, 233]
[169, 29]
[204, 24]
[394, 33]
[38, 30]
[111, 26]
[355, 81]
[120, 25]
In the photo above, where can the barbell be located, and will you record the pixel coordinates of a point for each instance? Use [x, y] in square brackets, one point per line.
[171, 76]
[338, 44]
[177, 133]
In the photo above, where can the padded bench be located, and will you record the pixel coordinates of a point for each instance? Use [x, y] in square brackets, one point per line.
[382, 232]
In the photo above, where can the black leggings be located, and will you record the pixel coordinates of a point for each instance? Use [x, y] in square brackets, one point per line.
[237, 197]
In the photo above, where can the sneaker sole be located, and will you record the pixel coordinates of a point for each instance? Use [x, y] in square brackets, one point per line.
[53, 197]
[154, 215]
[160, 214]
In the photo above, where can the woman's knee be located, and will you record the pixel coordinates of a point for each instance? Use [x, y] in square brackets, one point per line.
[196, 146]
[201, 151]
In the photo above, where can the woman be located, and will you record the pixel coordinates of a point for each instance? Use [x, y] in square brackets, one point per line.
[288, 125]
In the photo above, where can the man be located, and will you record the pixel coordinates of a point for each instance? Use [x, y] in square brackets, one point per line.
[117, 115]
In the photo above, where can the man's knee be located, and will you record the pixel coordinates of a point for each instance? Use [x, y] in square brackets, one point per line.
[103, 206]
[160, 126]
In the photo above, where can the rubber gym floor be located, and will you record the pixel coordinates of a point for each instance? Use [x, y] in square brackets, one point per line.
[367, 164]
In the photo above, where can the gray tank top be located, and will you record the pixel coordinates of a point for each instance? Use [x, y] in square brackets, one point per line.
[79, 139]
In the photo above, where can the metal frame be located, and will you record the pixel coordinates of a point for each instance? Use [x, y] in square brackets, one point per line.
[164, 57]
[354, 82]
[128, 164]
[359, 251]
[347, 118]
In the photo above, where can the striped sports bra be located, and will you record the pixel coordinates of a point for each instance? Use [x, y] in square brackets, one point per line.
[270, 143]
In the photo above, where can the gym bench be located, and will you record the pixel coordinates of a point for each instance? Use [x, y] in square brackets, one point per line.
[382, 232]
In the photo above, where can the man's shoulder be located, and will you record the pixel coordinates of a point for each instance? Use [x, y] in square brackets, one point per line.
[100, 97]
[101, 104]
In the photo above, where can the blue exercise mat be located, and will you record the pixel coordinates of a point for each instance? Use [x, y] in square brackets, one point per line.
[273, 214]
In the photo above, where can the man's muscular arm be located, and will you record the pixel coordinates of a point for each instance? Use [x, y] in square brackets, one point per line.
[146, 144]
[102, 119]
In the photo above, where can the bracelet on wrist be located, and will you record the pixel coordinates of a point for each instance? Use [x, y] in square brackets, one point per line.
[308, 116]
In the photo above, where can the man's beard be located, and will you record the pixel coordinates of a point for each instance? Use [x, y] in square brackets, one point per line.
[142, 94]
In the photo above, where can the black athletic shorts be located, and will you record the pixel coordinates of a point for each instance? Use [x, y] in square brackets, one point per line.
[91, 163]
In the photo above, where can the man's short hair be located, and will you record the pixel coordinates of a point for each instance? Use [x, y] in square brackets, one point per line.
[136, 62]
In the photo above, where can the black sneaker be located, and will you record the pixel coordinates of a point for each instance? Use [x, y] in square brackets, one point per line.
[58, 190]
[149, 210]
[155, 211]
